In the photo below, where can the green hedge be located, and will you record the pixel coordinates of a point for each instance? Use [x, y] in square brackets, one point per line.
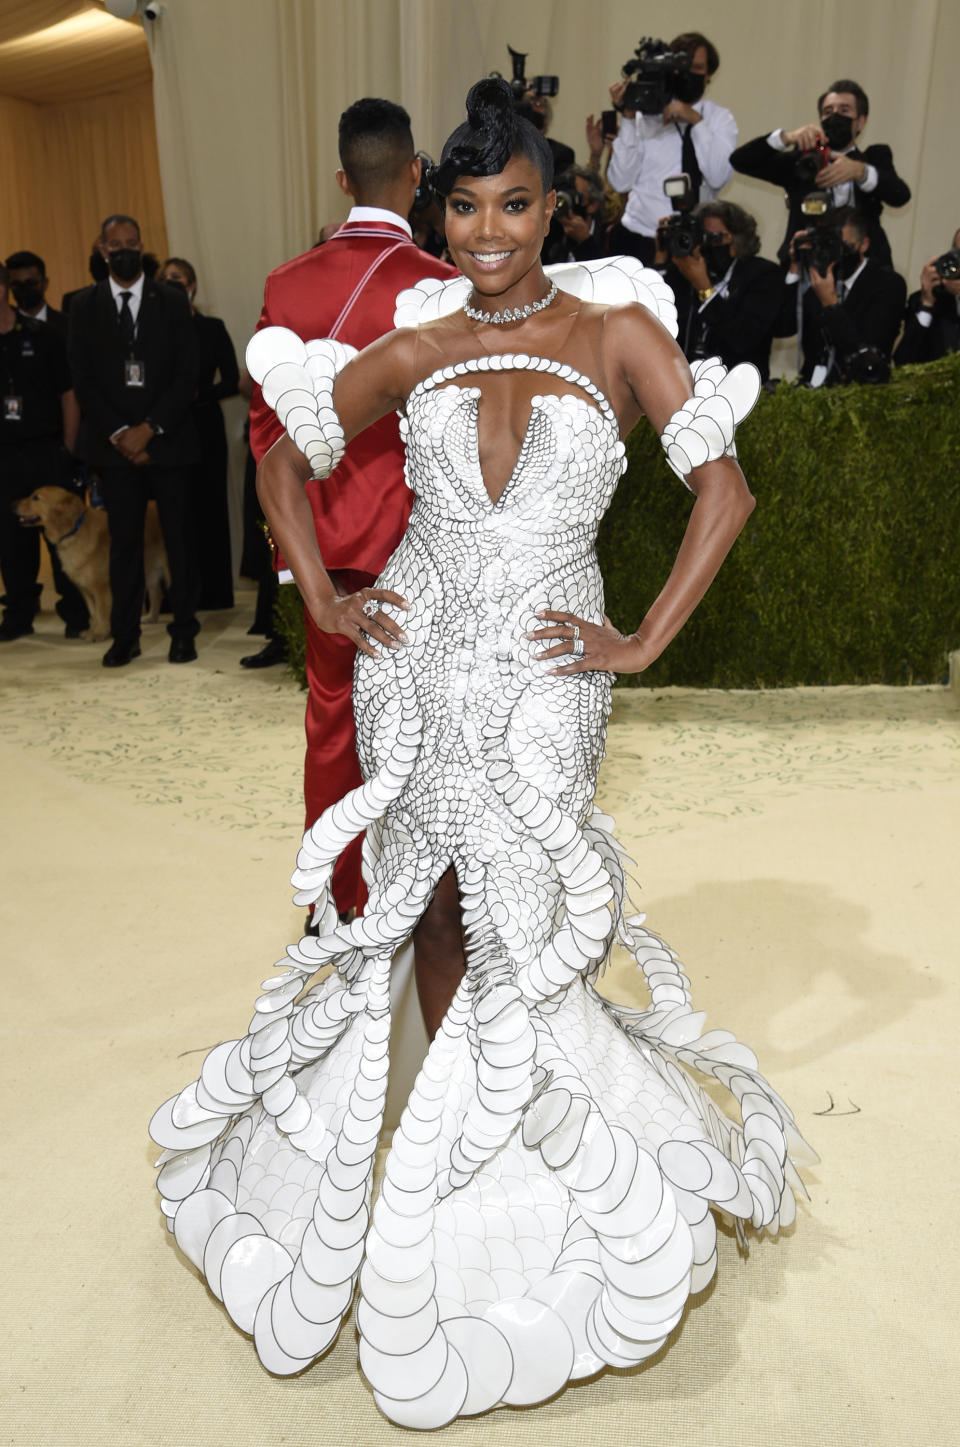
[847, 572]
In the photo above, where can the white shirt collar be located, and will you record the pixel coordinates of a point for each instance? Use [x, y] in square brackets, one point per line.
[377, 213]
[41, 315]
[134, 292]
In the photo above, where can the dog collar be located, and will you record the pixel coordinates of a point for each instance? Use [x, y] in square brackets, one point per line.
[74, 529]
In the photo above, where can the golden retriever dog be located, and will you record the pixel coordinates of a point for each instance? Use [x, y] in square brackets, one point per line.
[81, 536]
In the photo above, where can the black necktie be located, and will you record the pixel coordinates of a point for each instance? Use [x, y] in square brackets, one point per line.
[690, 164]
[126, 320]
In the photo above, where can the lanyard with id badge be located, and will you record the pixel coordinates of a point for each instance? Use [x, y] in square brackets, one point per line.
[12, 401]
[134, 369]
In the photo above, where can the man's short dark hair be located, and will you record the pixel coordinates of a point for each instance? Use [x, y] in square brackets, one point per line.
[740, 224]
[21, 260]
[4, 277]
[850, 216]
[375, 142]
[691, 41]
[847, 87]
[118, 220]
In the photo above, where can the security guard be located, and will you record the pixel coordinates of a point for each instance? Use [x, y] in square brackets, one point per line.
[38, 427]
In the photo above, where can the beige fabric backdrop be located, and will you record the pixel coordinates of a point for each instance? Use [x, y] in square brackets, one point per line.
[248, 92]
[64, 167]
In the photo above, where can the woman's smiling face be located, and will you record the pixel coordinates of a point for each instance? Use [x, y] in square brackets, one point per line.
[495, 228]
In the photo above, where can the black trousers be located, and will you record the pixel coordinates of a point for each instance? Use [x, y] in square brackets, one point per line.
[40, 463]
[126, 491]
[631, 243]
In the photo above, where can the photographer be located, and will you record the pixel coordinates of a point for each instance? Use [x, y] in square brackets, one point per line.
[728, 296]
[688, 134]
[580, 230]
[849, 306]
[825, 157]
[931, 326]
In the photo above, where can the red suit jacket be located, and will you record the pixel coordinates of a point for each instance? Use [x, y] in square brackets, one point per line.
[361, 510]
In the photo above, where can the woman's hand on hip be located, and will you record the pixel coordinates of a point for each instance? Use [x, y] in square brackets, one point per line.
[359, 617]
[576, 646]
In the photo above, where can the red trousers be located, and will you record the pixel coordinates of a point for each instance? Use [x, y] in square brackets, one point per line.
[331, 767]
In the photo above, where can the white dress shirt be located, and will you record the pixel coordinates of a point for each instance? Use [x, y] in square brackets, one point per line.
[134, 292]
[647, 151]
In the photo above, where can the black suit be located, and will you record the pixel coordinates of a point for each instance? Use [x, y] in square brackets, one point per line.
[208, 488]
[166, 347]
[942, 336]
[759, 159]
[738, 326]
[868, 317]
[56, 321]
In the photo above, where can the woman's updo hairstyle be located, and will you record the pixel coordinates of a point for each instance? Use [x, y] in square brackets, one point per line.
[492, 135]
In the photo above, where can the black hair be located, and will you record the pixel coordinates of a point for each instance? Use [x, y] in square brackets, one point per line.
[375, 142]
[691, 41]
[116, 221]
[850, 216]
[740, 224]
[184, 266]
[20, 260]
[847, 87]
[492, 135]
[4, 278]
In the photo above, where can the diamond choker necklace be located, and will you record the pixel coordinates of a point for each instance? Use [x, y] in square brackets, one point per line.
[517, 314]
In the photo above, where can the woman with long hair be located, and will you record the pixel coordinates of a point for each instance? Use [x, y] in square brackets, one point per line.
[545, 1210]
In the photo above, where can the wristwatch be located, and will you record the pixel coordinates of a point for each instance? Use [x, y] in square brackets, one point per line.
[155, 426]
[706, 294]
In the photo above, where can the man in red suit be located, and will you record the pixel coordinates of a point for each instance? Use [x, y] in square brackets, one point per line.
[347, 289]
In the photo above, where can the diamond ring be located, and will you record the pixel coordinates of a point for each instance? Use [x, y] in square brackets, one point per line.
[370, 608]
[579, 648]
[576, 633]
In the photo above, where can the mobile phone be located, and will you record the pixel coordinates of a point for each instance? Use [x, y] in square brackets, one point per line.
[610, 121]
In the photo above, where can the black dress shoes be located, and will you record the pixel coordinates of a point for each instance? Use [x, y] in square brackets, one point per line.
[182, 650]
[119, 654]
[10, 629]
[273, 651]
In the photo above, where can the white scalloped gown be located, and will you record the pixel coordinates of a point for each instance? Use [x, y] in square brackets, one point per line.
[546, 1208]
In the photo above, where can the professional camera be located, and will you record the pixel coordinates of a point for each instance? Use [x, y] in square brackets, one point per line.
[681, 233]
[867, 364]
[569, 200]
[947, 266]
[521, 85]
[424, 196]
[809, 164]
[823, 244]
[657, 76]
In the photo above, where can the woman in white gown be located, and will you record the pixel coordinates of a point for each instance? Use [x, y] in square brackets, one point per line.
[546, 1207]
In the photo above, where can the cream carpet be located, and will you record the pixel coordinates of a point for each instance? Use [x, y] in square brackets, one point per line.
[798, 849]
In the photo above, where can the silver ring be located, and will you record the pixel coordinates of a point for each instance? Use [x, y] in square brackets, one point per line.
[370, 608]
[576, 633]
[579, 648]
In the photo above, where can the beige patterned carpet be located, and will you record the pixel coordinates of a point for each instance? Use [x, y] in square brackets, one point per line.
[798, 849]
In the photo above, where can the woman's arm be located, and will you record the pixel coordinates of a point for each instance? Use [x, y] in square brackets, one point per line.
[369, 386]
[648, 374]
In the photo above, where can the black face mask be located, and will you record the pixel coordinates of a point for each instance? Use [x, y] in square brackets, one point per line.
[848, 262]
[125, 263]
[838, 131]
[691, 88]
[717, 259]
[28, 295]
